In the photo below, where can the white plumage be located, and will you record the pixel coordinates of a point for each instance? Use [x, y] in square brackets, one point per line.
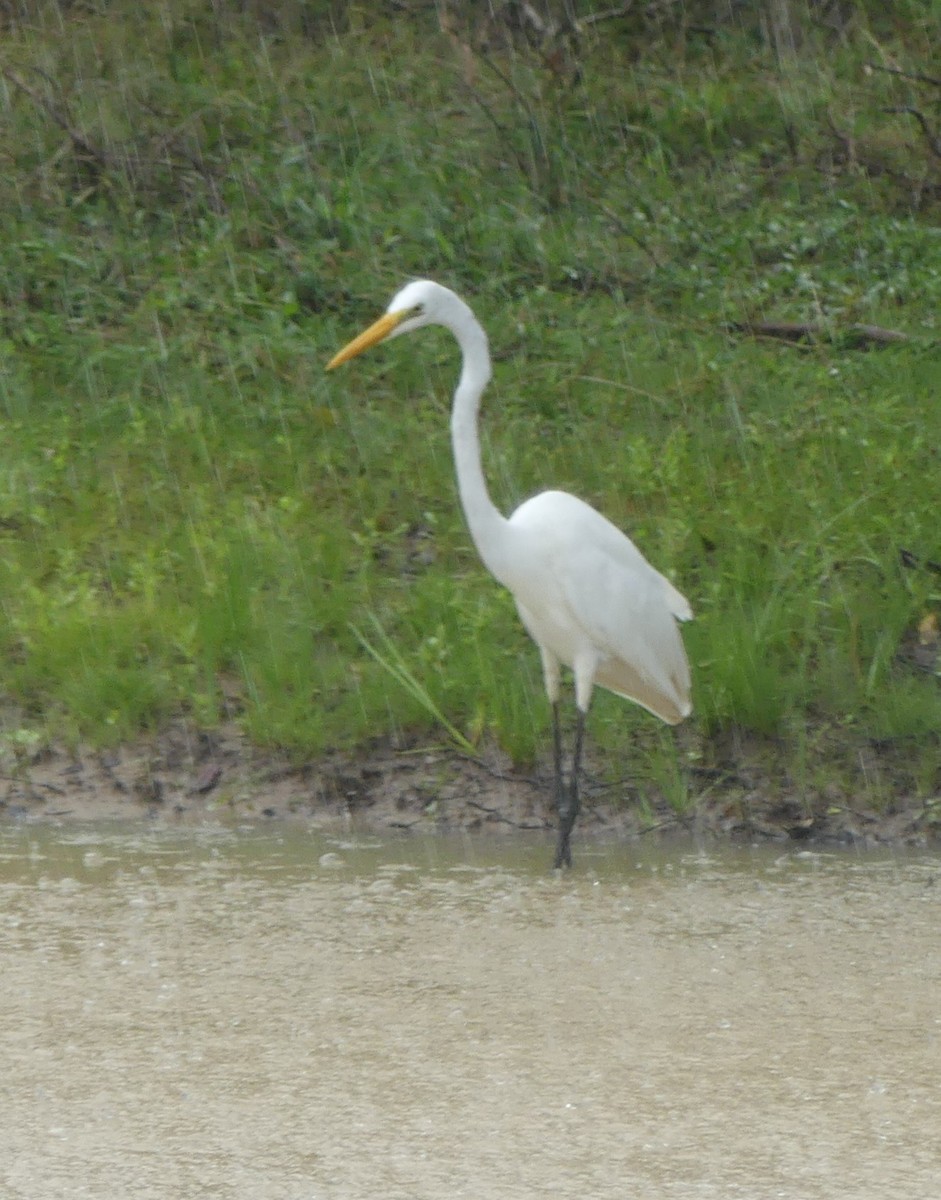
[586, 594]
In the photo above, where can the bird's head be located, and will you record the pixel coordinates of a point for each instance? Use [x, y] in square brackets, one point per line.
[418, 303]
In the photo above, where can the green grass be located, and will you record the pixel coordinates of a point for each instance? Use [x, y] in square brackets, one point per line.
[194, 517]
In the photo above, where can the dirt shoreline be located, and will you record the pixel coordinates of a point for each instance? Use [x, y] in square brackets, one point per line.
[184, 775]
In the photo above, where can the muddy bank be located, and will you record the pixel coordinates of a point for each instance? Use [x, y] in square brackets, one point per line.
[186, 774]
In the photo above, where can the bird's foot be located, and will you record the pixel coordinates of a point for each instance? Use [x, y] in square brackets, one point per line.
[568, 807]
[563, 852]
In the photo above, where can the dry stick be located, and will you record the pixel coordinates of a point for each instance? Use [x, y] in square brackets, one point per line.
[538, 139]
[847, 139]
[934, 141]
[626, 230]
[165, 145]
[916, 75]
[796, 331]
[622, 225]
[504, 132]
[489, 113]
[874, 168]
[78, 139]
[175, 155]
[499, 816]
[659, 826]
[609, 14]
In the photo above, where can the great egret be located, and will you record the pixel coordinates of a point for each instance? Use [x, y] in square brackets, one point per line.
[586, 594]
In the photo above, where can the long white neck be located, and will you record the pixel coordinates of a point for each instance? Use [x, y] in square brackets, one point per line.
[487, 524]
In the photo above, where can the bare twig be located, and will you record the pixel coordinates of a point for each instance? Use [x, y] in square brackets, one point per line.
[129, 159]
[917, 76]
[538, 140]
[608, 15]
[539, 170]
[503, 131]
[628, 232]
[80, 140]
[934, 141]
[659, 826]
[499, 816]
[846, 139]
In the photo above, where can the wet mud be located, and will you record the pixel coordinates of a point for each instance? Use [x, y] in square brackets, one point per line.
[188, 775]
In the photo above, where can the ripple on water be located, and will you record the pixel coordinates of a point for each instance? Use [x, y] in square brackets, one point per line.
[284, 1014]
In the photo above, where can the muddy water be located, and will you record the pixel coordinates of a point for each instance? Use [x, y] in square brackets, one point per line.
[236, 1014]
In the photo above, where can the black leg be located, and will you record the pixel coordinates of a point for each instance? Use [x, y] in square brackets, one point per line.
[557, 756]
[561, 799]
[568, 801]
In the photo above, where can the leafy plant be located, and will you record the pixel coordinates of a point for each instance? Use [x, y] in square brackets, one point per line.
[197, 213]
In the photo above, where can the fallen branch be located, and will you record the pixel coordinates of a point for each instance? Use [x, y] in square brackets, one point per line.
[799, 331]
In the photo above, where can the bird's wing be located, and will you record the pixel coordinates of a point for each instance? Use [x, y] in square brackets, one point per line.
[627, 615]
[590, 585]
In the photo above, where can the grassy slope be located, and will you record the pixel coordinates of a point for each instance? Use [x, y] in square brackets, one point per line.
[194, 517]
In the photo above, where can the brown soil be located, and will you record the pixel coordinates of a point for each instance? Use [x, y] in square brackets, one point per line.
[184, 775]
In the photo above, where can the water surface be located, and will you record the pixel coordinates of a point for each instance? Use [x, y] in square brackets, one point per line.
[277, 1016]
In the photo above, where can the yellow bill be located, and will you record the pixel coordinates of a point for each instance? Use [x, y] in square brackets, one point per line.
[369, 337]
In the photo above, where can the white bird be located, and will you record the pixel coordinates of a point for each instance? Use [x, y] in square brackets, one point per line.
[585, 593]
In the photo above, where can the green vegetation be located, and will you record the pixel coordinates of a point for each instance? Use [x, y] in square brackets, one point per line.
[203, 202]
